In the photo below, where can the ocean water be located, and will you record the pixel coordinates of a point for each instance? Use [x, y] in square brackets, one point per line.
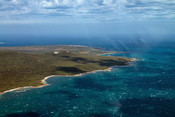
[146, 88]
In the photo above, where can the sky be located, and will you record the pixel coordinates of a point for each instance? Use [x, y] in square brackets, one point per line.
[85, 17]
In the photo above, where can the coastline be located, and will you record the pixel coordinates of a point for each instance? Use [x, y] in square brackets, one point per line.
[44, 83]
[111, 53]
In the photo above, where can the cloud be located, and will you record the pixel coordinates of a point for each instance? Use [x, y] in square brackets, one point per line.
[85, 10]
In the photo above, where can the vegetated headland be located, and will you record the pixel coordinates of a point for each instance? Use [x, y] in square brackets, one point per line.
[29, 65]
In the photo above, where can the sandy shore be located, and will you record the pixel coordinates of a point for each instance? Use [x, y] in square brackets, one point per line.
[44, 83]
[133, 59]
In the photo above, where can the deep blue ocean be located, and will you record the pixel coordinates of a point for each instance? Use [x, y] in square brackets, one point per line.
[145, 88]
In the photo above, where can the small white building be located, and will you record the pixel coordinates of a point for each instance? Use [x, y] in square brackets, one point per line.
[59, 51]
[56, 52]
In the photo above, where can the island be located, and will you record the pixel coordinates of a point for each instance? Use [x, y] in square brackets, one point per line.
[29, 65]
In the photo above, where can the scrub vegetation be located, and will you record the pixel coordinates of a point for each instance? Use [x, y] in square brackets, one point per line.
[20, 68]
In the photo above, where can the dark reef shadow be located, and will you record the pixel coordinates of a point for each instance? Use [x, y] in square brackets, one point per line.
[148, 107]
[27, 114]
[162, 82]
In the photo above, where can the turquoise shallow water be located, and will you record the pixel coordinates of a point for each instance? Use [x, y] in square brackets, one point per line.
[146, 88]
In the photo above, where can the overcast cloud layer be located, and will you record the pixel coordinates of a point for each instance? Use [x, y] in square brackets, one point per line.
[26, 11]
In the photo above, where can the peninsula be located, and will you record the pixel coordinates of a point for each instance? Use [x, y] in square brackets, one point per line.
[29, 65]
